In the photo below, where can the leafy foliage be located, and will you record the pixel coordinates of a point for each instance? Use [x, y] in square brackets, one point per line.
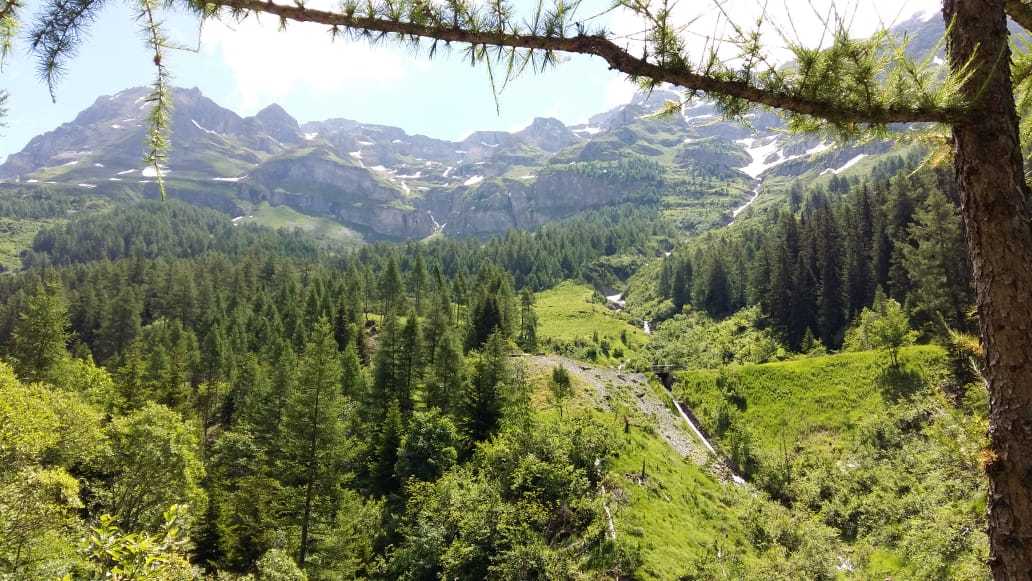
[886, 327]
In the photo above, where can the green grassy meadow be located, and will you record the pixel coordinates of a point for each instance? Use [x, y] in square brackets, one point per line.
[567, 313]
[812, 400]
[323, 229]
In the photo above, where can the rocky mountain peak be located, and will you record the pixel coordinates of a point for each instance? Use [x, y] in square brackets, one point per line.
[279, 124]
[275, 115]
[548, 134]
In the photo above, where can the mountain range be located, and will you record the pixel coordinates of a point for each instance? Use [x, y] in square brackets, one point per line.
[384, 183]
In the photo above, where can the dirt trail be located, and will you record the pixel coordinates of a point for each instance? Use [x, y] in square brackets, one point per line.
[606, 385]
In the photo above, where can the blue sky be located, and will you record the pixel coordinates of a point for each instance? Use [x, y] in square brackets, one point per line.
[247, 66]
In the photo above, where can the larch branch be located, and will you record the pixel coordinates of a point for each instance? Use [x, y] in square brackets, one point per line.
[8, 8]
[617, 58]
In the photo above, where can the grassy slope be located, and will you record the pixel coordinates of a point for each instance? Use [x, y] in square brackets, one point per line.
[322, 229]
[16, 235]
[566, 313]
[679, 512]
[811, 401]
[819, 408]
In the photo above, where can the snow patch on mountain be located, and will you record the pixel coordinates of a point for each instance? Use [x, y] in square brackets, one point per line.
[855, 160]
[819, 148]
[699, 117]
[759, 154]
[204, 129]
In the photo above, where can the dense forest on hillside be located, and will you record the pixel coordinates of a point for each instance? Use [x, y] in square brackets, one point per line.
[186, 395]
[812, 267]
[333, 410]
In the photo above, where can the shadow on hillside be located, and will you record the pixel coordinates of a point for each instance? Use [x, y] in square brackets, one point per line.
[899, 381]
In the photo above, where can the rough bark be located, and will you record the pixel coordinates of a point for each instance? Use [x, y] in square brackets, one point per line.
[998, 217]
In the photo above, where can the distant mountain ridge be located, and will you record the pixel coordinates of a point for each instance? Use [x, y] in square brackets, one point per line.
[386, 183]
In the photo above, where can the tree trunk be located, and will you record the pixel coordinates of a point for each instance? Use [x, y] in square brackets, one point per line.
[996, 207]
[312, 459]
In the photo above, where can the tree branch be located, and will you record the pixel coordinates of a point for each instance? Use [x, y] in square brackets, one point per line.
[617, 58]
[8, 8]
[1020, 12]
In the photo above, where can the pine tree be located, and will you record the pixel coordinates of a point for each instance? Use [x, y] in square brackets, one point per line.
[859, 259]
[528, 322]
[485, 400]
[936, 264]
[390, 287]
[121, 325]
[412, 363]
[486, 318]
[418, 282]
[782, 288]
[682, 284]
[805, 285]
[313, 433]
[355, 290]
[352, 377]
[216, 354]
[385, 456]
[831, 316]
[390, 381]
[759, 279]
[439, 320]
[40, 336]
[344, 320]
[448, 375]
[712, 291]
[131, 378]
[268, 416]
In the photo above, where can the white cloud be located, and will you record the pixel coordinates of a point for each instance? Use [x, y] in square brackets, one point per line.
[619, 91]
[268, 64]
